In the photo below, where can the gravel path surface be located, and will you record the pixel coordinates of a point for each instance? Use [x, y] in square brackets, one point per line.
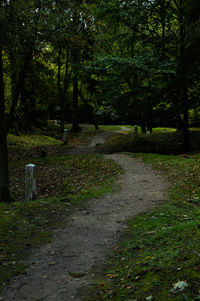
[58, 270]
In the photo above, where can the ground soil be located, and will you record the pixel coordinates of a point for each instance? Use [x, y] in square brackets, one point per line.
[59, 270]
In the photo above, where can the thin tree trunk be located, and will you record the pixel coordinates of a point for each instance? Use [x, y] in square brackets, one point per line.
[75, 113]
[95, 123]
[88, 107]
[183, 82]
[62, 91]
[163, 22]
[4, 176]
[143, 128]
[186, 144]
[60, 94]
[18, 87]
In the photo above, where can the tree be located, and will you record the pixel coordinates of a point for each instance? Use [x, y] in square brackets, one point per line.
[4, 177]
[59, 42]
[161, 30]
[20, 26]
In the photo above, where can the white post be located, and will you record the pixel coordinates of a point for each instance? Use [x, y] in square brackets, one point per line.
[55, 122]
[136, 131]
[65, 136]
[30, 182]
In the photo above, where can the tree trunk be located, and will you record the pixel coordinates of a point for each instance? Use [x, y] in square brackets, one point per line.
[4, 177]
[95, 123]
[186, 144]
[163, 23]
[62, 115]
[92, 116]
[143, 128]
[62, 90]
[75, 113]
[60, 94]
[183, 81]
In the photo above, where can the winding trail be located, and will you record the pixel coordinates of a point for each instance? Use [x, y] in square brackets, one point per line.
[58, 270]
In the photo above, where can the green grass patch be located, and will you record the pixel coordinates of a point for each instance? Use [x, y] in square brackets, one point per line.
[112, 128]
[31, 140]
[89, 128]
[160, 258]
[131, 127]
[165, 130]
[63, 175]
[24, 225]
[49, 136]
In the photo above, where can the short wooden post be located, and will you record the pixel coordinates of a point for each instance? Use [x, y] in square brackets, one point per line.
[65, 136]
[149, 131]
[30, 182]
[136, 131]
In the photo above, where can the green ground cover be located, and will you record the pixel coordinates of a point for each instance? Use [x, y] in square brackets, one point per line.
[163, 141]
[89, 128]
[160, 259]
[31, 140]
[62, 182]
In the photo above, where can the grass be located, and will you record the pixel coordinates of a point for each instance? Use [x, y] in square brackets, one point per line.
[62, 181]
[63, 175]
[89, 128]
[160, 141]
[131, 127]
[49, 135]
[160, 258]
[23, 226]
[162, 247]
[31, 140]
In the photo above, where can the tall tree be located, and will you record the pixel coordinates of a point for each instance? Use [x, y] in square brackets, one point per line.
[4, 177]
[20, 26]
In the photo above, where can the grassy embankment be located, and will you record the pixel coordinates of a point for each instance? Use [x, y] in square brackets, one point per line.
[62, 181]
[162, 141]
[160, 259]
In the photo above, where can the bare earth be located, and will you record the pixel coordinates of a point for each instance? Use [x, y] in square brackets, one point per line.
[60, 269]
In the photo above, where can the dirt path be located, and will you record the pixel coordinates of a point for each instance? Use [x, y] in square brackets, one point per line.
[92, 146]
[58, 270]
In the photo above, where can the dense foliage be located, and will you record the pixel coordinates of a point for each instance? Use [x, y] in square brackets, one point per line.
[129, 61]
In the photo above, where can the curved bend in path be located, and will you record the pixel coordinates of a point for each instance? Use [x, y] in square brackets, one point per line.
[59, 269]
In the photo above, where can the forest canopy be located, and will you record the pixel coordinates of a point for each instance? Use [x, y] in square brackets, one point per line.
[123, 61]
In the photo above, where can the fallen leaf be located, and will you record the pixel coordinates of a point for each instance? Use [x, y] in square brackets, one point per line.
[149, 298]
[179, 286]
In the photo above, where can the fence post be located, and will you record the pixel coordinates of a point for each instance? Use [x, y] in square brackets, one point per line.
[30, 182]
[136, 131]
[65, 136]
